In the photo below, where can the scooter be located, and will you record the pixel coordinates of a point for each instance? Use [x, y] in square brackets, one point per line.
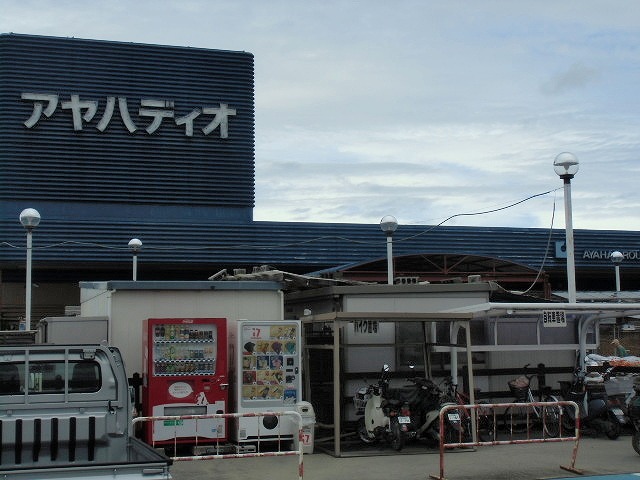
[618, 402]
[384, 418]
[595, 414]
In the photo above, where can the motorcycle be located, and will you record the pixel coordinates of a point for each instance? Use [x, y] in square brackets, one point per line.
[595, 413]
[385, 418]
[425, 415]
[634, 415]
[423, 399]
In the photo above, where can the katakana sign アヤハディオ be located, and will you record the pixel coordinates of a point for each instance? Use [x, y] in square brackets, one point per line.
[83, 112]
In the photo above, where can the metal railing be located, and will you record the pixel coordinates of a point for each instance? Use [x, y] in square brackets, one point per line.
[223, 456]
[525, 434]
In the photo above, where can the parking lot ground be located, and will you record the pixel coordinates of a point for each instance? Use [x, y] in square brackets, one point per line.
[621, 476]
[598, 458]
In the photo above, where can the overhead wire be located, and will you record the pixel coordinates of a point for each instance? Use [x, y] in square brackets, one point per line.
[282, 245]
[484, 212]
[546, 250]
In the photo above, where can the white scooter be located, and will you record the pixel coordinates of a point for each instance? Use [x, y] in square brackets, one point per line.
[384, 418]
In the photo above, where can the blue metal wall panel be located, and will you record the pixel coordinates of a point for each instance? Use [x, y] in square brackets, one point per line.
[52, 161]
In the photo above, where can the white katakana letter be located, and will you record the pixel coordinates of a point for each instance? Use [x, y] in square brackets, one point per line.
[108, 113]
[38, 100]
[221, 119]
[124, 114]
[76, 107]
[187, 121]
[158, 109]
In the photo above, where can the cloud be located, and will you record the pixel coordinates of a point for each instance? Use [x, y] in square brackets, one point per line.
[576, 76]
[417, 109]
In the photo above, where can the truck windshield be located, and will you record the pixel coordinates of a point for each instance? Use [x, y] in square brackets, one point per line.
[50, 377]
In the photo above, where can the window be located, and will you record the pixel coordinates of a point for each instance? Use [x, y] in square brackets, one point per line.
[50, 377]
[85, 377]
[410, 340]
[10, 383]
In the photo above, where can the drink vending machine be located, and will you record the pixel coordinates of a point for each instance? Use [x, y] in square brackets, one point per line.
[185, 372]
[269, 378]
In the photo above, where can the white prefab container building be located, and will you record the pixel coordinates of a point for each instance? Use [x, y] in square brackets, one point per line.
[127, 304]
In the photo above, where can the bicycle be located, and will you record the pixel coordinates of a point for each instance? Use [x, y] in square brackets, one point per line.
[520, 419]
[485, 424]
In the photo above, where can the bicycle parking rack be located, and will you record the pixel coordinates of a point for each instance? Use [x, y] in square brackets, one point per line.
[494, 408]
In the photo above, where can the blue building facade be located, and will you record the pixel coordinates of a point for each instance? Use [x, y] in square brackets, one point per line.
[111, 141]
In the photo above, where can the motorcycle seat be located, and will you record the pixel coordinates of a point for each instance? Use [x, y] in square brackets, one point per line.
[409, 394]
[393, 402]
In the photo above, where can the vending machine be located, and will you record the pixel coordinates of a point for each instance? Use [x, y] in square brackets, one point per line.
[269, 378]
[185, 372]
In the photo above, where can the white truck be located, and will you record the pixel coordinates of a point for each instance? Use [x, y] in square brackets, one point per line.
[66, 412]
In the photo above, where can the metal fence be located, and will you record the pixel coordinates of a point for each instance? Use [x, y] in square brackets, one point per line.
[298, 445]
[532, 427]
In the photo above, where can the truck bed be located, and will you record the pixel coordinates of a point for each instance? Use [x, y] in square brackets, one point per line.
[137, 462]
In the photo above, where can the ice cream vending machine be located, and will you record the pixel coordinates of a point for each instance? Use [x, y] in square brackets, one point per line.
[269, 379]
[185, 372]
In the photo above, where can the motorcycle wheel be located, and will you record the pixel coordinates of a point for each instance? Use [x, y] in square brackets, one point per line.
[635, 442]
[453, 434]
[568, 423]
[613, 430]
[466, 427]
[551, 418]
[486, 425]
[363, 434]
[456, 431]
[398, 437]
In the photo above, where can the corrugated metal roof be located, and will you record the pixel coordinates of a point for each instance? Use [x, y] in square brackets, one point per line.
[290, 245]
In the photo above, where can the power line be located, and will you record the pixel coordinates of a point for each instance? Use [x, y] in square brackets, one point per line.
[280, 245]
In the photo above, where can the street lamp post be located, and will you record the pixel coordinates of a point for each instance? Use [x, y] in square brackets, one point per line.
[566, 166]
[135, 244]
[389, 224]
[616, 258]
[29, 218]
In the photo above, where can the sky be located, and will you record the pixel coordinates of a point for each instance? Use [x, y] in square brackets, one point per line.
[430, 111]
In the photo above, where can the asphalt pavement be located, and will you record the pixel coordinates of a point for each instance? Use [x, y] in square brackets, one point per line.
[597, 458]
